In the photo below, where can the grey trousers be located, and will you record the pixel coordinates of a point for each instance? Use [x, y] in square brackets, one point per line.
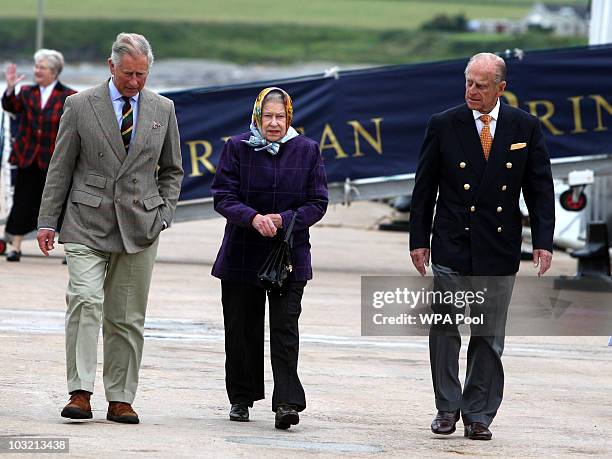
[110, 289]
[484, 380]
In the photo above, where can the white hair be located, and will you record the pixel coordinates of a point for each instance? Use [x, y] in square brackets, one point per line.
[132, 44]
[274, 96]
[55, 59]
[500, 64]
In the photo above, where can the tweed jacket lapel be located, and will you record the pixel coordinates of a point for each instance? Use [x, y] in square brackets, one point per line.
[103, 108]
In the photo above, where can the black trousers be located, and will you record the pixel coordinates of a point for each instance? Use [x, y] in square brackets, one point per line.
[483, 389]
[243, 317]
[29, 186]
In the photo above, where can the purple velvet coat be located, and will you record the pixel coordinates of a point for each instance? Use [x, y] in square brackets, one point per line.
[249, 182]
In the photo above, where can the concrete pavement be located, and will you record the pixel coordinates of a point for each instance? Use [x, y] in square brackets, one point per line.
[367, 396]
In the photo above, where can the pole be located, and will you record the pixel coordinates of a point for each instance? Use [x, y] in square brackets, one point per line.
[39, 26]
[601, 22]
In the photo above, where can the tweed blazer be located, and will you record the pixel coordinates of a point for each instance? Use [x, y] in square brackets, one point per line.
[113, 201]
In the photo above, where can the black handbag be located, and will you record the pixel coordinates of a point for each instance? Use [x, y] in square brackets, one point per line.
[277, 266]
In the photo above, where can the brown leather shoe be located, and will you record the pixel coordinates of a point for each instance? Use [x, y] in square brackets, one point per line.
[121, 412]
[444, 422]
[477, 431]
[78, 407]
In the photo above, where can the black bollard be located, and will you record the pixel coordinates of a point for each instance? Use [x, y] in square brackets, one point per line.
[593, 263]
[594, 257]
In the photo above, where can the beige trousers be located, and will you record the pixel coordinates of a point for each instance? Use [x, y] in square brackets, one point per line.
[110, 289]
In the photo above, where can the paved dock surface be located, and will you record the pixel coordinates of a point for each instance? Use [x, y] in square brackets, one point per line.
[367, 396]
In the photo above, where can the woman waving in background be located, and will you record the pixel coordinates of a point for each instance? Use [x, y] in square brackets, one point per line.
[40, 107]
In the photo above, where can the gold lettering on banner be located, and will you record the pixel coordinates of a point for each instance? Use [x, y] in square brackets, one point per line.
[358, 130]
[202, 159]
[578, 129]
[511, 99]
[328, 133]
[545, 118]
[599, 103]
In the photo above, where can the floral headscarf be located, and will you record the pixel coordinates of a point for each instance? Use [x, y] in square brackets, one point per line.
[257, 140]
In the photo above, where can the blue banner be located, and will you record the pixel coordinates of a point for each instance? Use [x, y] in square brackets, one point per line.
[370, 123]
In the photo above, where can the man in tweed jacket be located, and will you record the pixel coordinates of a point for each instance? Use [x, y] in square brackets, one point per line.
[117, 173]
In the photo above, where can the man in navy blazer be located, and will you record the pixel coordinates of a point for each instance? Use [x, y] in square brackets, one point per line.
[475, 161]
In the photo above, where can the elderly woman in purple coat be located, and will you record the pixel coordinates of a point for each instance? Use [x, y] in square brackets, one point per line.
[263, 178]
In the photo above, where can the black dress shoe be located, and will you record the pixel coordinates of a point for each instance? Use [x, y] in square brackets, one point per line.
[477, 431]
[444, 422]
[13, 255]
[239, 412]
[286, 416]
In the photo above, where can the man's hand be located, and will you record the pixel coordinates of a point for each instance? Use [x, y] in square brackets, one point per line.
[276, 219]
[46, 240]
[420, 259]
[543, 258]
[264, 225]
[11, 77]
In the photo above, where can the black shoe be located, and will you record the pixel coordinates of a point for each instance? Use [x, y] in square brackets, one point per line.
[239, 412]
[13, 255]
[477, 431]
[444, 422]
[286, 416]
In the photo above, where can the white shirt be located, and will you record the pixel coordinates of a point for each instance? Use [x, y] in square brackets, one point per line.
[492, 124]
[117, 100]
[45, 93]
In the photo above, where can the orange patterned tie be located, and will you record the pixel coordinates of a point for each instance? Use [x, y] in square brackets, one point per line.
[485, 135]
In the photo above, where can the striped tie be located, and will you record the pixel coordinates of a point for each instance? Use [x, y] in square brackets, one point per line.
[127, 123]
[485, 135]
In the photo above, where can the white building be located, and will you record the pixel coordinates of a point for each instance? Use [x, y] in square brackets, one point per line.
[563, 20]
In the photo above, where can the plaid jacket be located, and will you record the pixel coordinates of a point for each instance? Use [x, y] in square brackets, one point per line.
[38, 127]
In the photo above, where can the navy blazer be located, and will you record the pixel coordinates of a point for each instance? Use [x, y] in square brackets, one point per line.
[248, 182]
[477, 226]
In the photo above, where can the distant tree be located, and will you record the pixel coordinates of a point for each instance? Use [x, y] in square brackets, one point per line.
[443, 22]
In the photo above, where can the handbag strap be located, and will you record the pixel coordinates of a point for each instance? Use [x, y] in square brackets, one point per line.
[290, 227]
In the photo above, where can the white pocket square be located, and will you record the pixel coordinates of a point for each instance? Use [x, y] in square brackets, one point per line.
[156, 125]
[518, 146]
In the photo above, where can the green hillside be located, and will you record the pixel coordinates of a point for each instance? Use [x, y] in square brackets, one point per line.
[342, 31]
